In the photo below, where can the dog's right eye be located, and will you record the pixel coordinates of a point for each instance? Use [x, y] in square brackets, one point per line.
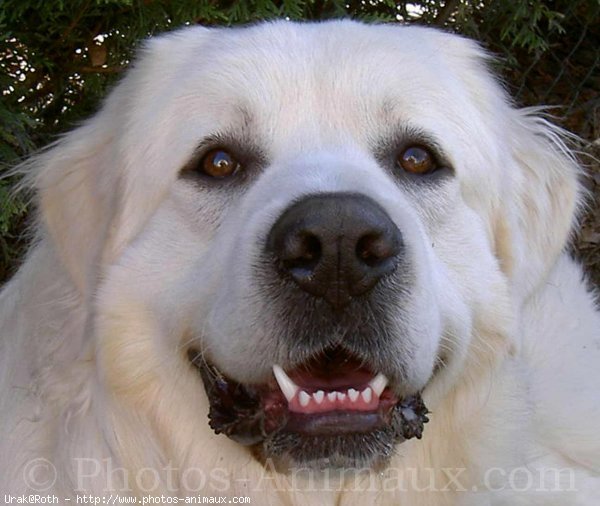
[219, 164]
[417, 160]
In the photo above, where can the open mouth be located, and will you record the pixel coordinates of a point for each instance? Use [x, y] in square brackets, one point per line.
[333, 393]
[331, 400]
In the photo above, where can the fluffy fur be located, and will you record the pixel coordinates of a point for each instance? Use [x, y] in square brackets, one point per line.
[133, 262]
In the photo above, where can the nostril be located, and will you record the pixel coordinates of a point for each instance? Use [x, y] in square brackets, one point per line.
[373, 249]
[335, 246]
[301, 253]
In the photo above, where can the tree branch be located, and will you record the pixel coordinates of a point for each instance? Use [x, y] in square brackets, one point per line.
[445, 12]
[75, 22]
[100, 70]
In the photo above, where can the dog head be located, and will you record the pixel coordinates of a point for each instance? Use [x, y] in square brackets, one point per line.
[331, 222]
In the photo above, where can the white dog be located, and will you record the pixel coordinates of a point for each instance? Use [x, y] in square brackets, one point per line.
[274, 254]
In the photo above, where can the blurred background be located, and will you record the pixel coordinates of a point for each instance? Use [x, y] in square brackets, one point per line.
[59, 57]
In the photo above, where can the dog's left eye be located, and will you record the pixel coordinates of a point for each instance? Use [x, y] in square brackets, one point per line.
[417, 160]
[219, 164]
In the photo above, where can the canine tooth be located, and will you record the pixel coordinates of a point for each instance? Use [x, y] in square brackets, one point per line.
[341, 396]
[288, 387]
[318, 396]
[378, 384]
[332, 396]
[304, 398]
[353, 394]
[367, 394]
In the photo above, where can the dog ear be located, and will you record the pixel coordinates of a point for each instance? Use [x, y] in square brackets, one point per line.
[76, 189]
[534, 209]
[538, 211]
[94, 188]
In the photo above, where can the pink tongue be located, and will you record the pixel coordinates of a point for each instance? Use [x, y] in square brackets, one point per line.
[332, 380]
[329, 403]
[334, 371]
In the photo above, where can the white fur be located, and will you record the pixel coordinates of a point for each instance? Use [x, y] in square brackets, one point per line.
[131, 262]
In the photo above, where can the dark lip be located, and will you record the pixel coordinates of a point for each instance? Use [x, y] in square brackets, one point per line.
[250, 414]
[334, 423]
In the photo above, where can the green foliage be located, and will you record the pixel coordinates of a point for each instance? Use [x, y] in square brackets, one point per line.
[58, 57]
[10, 208]
[12, 211]
[525, 28]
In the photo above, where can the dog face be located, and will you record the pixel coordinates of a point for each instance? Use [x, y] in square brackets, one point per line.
[317, 226]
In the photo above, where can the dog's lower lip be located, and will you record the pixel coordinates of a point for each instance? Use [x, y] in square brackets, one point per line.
[334, 422]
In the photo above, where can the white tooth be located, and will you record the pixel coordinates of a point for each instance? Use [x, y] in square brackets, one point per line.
[304, 398]
[353, 394]
[378, 384]
[367, 394]
[332, 396]
[318, 396]
[288, 387]
[341, 396]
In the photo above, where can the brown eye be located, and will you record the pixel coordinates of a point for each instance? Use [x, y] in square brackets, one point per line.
[219, 164]
[417, 160]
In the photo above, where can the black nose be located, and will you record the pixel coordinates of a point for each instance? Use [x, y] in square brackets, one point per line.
[336, 245]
